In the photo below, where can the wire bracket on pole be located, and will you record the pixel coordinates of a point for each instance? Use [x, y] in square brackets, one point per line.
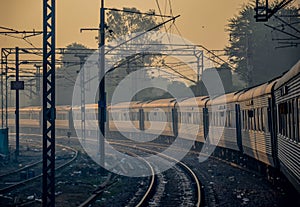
[263, 12]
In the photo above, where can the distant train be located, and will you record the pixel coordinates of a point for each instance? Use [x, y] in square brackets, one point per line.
[261, 122]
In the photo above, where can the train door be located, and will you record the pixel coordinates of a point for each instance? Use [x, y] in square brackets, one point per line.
[205, 122]
[141, 118]
[238, 127]
[272, 125]
[175, 122]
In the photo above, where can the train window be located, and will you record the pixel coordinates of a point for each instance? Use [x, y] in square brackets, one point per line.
[282, 108]
[182, 117]
[232, 119]
[295, 119]
[168, 116]
[282, 118]
[185, 117]
[200, 118]
[162, 117]
[134, 116]
[257, 119]
[228, 119]
[290, 121]
[254, 119]
[298, 119]
[200, 115]
[247, 120]
[243, 120]
[262, 119]
[196, 118]
[250, 116]
[250, 113]
[190, 118]
[215, 121]
[285, 122]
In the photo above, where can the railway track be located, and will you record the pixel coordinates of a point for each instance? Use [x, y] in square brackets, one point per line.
[161, 184]
[185, 185]
[30, 174]
[140, 198]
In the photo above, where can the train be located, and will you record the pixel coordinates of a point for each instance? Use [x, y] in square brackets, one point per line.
[261, 122]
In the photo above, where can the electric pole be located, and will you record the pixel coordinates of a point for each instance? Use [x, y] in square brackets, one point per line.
[17, 105]
[102, 94]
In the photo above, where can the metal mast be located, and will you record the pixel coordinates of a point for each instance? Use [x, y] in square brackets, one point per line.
[102, 94]
[49, 103]
[17, 106]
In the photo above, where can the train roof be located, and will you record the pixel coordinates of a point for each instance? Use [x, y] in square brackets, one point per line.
[30, 108]
[257, 91]
[226, 98]
[67, 107]
[126, 105]
[199, 101]
[294, 71]
[160, 103]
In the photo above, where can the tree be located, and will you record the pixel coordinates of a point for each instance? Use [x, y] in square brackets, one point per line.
[128, 22]
[73, 52]
[124, 26]
[67, 74]
[178, 88]
[252, 48]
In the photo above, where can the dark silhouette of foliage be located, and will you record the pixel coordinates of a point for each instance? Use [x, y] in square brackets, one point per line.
[253, 47]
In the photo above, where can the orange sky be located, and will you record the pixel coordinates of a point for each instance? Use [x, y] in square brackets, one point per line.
[202, 21]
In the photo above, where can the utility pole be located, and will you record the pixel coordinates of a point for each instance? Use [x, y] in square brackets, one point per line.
[82, 95]
[49, 113]
[102, 93]
[38, 82]
[17, 106]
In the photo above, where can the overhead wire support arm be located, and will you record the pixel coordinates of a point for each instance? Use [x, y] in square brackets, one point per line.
[288, 24]
[148, 30]
[9, 31]
[282, 31]
[263, 12]
[142, 13]
[89, 29]
[21, 32]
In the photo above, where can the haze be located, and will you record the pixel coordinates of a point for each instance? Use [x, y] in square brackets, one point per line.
[202, 21]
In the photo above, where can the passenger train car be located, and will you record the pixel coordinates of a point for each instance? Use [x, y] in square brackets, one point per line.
[261, 122]
[256, 123]
[287, 100]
